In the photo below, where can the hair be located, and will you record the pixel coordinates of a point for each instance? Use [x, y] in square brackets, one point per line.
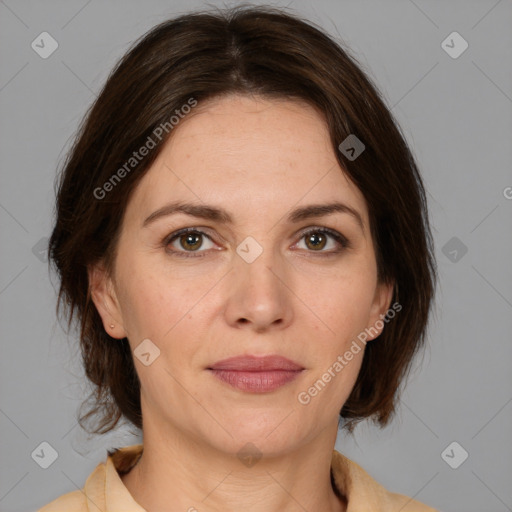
[246, 50]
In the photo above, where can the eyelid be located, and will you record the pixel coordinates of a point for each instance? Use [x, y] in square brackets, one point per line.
[176, 234]
[339, 238]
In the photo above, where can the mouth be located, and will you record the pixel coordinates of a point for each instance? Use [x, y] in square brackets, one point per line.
[256, 374]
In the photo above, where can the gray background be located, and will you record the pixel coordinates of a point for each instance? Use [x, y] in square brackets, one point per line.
[456, 114]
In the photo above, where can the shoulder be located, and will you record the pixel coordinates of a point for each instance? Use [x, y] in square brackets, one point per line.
[103, 489]
[365, 493]
[79, 500]
[406, 504]
[71, 502]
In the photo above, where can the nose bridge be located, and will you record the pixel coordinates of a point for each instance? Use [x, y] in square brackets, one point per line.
[257, 289]
[256, 267]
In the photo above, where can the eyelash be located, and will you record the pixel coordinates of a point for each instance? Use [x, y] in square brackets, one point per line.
[338, 237]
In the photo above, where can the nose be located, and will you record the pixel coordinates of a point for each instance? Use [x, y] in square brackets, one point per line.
[259, 297]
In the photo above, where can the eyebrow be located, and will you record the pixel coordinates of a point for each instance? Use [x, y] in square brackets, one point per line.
[214, 213]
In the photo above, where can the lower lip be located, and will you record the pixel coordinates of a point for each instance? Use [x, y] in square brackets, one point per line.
[256, 382]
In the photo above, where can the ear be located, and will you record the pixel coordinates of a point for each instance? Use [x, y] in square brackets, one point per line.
[105, 299]
[381, 304]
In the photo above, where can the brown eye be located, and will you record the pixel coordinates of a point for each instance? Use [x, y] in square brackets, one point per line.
[316, 240]
[191, 241]
[187, 241]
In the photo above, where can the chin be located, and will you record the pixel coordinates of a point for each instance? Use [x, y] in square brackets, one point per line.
[273, 432]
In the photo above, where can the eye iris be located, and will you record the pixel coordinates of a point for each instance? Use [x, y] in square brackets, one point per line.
[187, 241]
[314, 239]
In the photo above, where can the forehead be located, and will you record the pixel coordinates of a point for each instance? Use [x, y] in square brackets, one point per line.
[255, 124]
[251, 153]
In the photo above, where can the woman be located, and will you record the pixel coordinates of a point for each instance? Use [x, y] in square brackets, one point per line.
[243, 234]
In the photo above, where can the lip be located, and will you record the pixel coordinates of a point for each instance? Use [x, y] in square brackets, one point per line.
[256, 374]
[251, 363]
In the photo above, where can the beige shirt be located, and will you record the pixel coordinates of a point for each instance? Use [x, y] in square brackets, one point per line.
[104, 491]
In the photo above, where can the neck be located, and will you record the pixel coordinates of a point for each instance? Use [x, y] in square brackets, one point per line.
[189, 476]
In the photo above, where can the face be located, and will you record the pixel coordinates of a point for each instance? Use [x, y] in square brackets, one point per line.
[260, 278]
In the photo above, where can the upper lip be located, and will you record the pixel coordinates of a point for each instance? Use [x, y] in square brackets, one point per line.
[251, 363]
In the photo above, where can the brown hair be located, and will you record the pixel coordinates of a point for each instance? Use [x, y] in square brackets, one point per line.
[248, 50]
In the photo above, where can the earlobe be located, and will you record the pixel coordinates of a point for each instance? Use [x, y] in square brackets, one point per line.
[380, 306]
[105, 299]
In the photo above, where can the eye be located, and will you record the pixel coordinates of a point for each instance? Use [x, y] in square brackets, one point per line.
[317, 239]
[187, 240]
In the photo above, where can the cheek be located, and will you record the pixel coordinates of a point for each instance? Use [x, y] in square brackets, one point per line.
[149, 305]
[158, 304]
[344, 303]
[330, 384]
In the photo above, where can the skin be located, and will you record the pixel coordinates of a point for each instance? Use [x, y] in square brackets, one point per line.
[258, 159]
